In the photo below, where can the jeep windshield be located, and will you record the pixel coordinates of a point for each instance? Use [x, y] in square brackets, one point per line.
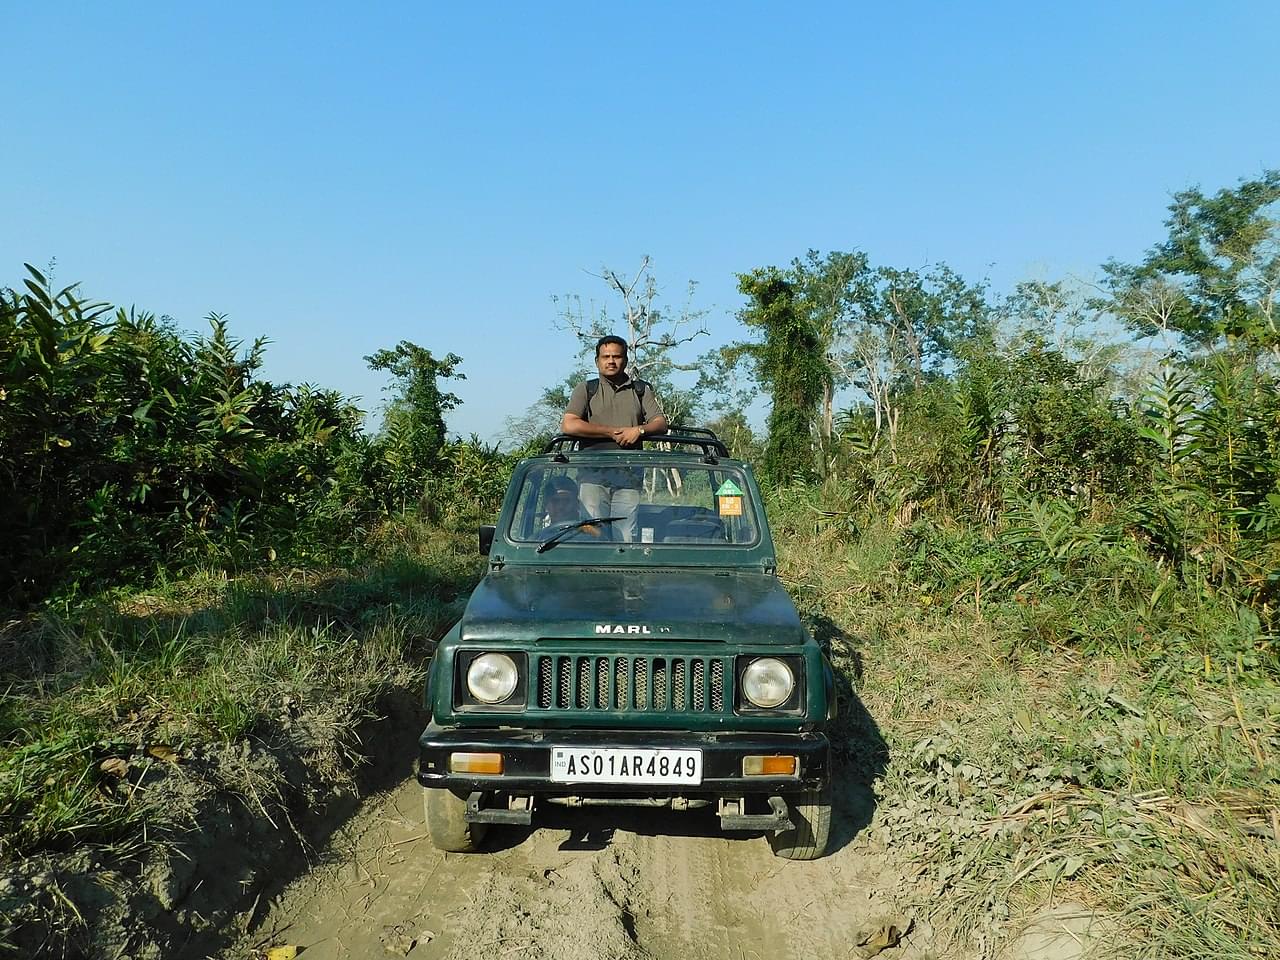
[660, 504]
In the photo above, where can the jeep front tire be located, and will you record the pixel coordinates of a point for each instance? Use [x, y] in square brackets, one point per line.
[811, 813]
[447, 823]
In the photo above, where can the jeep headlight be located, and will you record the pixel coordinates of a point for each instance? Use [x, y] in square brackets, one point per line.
[492, 677]
[768, 682]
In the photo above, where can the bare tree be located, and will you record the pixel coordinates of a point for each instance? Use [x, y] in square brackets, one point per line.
[876, 361]
[1061, 310]
[651, 333]
[900, 326]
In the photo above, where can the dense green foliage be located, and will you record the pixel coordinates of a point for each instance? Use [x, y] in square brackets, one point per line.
[1215, 278]
[1036, 732]
[131, 452]
[1120, 495]
[788, 362]
[1119, 524]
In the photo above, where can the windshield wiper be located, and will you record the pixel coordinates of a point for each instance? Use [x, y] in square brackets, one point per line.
[552, 541]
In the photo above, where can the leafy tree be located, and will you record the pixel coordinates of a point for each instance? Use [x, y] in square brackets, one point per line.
[1215, 277]
[417, 403]
[789, 361]
[1039, 426]
[831, 288]
[129, 450]
[413, 430]
[416, 395]
[732, 427]
[910, 326]
[1060, 313]
[883, 330]
[925, 317]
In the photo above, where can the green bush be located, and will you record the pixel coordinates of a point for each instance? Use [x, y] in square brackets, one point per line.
[134, 453]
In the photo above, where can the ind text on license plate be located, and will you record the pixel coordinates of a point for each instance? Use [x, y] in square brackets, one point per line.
[617, 765]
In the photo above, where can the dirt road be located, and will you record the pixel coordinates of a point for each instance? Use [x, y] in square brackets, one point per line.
[585, 885]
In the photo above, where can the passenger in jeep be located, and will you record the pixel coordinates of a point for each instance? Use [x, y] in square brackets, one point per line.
[613, 411]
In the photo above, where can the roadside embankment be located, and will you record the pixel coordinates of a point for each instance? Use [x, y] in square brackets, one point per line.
[1055, 747]
[171, 758]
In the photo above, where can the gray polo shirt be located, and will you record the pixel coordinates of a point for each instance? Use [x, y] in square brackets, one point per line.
[614, 406]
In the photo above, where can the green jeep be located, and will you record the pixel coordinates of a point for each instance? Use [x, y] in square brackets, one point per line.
[647, 658]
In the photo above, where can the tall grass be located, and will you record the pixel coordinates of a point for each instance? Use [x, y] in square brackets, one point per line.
[142, 678]
[1066, 721]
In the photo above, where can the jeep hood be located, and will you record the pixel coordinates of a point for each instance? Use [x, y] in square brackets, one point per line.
[617, 606]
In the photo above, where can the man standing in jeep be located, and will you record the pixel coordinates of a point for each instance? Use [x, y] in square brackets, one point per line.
[613, 411]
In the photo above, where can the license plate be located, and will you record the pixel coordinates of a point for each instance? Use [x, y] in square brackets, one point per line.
[614, 765]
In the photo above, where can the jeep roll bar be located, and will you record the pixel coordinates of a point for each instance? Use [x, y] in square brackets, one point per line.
[700, 437]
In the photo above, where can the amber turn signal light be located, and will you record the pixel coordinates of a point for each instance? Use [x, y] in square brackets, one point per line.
[784, 766]
[488, 764]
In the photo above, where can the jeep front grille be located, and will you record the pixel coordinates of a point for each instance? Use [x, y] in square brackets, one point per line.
[595, 682]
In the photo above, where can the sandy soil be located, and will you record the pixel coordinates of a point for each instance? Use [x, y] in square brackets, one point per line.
[588, 884]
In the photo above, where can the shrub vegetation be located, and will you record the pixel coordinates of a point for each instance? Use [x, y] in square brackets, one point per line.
[1049, 562]
[133, 453]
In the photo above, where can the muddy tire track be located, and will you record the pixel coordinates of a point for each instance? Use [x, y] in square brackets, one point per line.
[617, 883]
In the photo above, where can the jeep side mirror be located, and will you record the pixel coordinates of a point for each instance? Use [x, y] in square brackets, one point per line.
[486, 537]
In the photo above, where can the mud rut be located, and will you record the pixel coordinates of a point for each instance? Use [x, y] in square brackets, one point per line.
[614, 883]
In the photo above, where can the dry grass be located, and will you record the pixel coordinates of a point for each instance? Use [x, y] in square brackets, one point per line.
[209, 660]
[1022, 777]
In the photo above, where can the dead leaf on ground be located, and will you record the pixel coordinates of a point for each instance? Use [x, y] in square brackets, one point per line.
[162, 751]
[1022, 717]
[874, 941]
[399, 939]
[286, 951]
[114, 767]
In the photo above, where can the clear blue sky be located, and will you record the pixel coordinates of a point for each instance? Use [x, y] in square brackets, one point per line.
[339, 179]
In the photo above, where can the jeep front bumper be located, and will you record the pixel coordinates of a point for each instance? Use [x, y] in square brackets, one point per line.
[527, 760]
